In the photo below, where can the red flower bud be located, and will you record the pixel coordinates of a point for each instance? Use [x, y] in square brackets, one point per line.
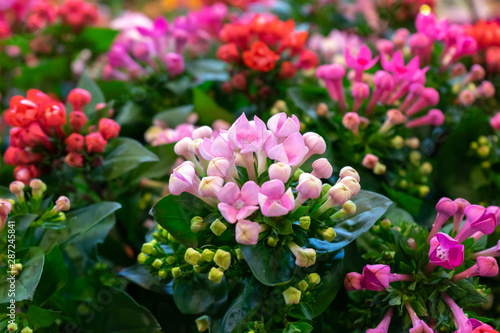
[74, 142]
[77, 120]
[25, 173]
[74, 160]
[95, 143]
[11, 156]
[33, 136]
[78, 98]
[109, 128]
[228, 53]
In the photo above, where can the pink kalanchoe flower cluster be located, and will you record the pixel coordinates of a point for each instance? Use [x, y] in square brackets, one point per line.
[161, 45]
[230, 171]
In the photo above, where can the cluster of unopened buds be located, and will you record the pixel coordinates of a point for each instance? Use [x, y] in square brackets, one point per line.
[447, 252]
[41, 134]
[487, 36]
[230, 172]
[162, 45]
[263, 44]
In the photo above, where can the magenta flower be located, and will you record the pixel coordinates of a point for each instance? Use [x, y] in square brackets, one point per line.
[292, 150]
[397, 66]
[428, 25]
[383, 327]
[485, 266]
[220, 147]
[249, 136]
[445, 209]
[235, 204]
[378, 277]
[491, 252]
[478, 219]
[175, 63]
[419, 326]
[459, 215]
[159, 29]
[273, 199]
[282, 126]
[361, 62]
[446, 252]
[333, 75]
[353, 281]
[463, 323]
[247, 232]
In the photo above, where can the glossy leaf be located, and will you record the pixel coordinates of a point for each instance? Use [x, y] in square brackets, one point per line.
[157, 169]
[176, 116]
[208, 110]
[139, 275]
[54, 276]
[41, 317]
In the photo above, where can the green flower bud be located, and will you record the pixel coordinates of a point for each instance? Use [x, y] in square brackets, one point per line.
[305, 222]
[303, 285]
[157, 263]
[162, 274]
[297, 174]
[483, 151]
[398, 142]
[176, 272]
[314, 278]
[379, 169]
[482, 140]
[485, 165]
[197, 224]
[415, 157]
[272, 241]
[423, 190]
[16, 269]
[222, 259]
[238, 253]
[215, 275]
[170, 260]
[292, 296]
[203, 323]
[426, 168]
[218, 227]
[192, 256]
[397, 229]
[386, 223]
[141, 258]
[329, 234]
[376, 229]
[197, 268]
[26, 330]
[147, 248]
[164, 233]
[325, 188]
[207, 255]
[12, 327]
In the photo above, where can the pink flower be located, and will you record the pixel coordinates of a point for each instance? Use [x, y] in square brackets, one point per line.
[249, 136]
[292, 150]
[419, 326]
[428, 25]
[446, 252]
[175, 63]
[182, 179]
[247, 232]
[361, 62]
[220, 147]
[477, 219]
[485, 266]
[495, 122]
[397, 66]
[463, 323]
[383, 327]
[445, 208]
[378, 277]
[491, 252]
[273, 199]
[282, 126]
[353, 281]
[369, 161]
[235, 204]
[434, 117]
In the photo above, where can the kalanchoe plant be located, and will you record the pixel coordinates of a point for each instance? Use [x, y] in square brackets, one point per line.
[245, 225]
[436, 271]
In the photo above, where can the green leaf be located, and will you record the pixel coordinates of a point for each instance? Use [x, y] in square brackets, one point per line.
[197, 294]
[270, 265]
[464, 292]
[121, 315]
[176, 116]
[5, 193]
[97, 39]
[80, 222]
[370, 207]
[139, 275]
[88, 84]
[208, 70]
[207, 110]
[329, 267]
[123, 155]
[23, 222]
[54, 276]
[174, 213]
[26, 282]
[161, 168]
[282, 225]
[41, 317]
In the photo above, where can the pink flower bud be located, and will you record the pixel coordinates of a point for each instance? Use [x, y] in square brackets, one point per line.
[369, 161]
[486, 89]
[383, 80]
[247, 232]
[218, 167]
[109, 128]
[78, 98]
[5, 208]
[428, 97]
[353, 281]
[399, 37]
[182, 178]
[459, 214]
[434, 117]
[352, 184]
[340, 193]
[315, 143]
[281, 171]
[16, 187]
[209, 186]
[487, 266]
[74, 142]
[458, 70]
[74, 160]
[95, 143]
[322, 168]
[181, 148]
[309, 186]
[360, 90]
[62, 204]
[202, 132]
[175, 63]
[349, 171]
[385, 46]
[495, 122]
[77, 120]
[477, 72]
[466, 97]
[351, 122]
[376, 277]
[445, 209]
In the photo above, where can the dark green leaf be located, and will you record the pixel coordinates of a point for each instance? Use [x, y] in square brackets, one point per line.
[54, 276]
[139, 275]
[208, 70]
[41, 317]
[96, 39]
[208, 110]
[97, 96]
[167, 157]
[176, 116]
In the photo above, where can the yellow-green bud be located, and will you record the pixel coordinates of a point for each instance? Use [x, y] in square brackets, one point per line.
[176, 272]
[272, 241]
[482, 140]
[12, 327]
[197, 224]
[426, 168]
[141, 258]
[297, 174]
[483, 151]
[26, 330]
[222, 259]
[314, 278]
[386, 223]
[303, 285]
[403, 183]
[397, 229]
[485, 164]
[376, 229]
[292, 296]
[215, 275]
[218, 227]
[398, 142]
[281, 106]
[423, 190]
[192, 256]
[474, 145]
[349, 207]
[329, 234]
[305, 222]
[162, 274]
[415, 157]
[157, 263]
[325, 189]
[197, 268]
[238, 253]
[171, 238]
[170, 260]
[207, 255]
[379, 169]
[203, 323]
[147, 248]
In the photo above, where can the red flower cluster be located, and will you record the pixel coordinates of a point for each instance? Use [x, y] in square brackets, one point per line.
[41, 135]
[260, 43]
[241, 4]
[485, 33]
[78, 13]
